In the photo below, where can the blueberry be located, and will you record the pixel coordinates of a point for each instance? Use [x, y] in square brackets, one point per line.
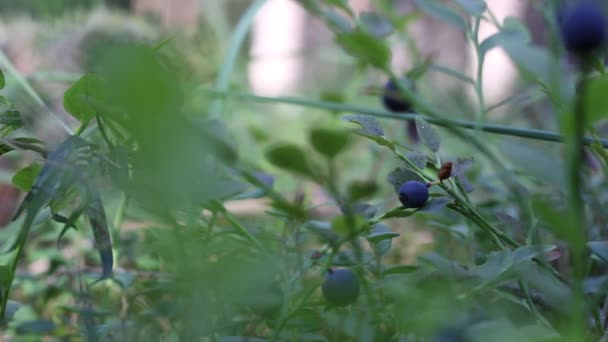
[341, 287]
[392, 99]
[583, 27]
[413, 194]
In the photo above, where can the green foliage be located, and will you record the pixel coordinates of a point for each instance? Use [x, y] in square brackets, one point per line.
[80, 99]
[24, 179]
[290, 157]
[511, 244]
[45, 8]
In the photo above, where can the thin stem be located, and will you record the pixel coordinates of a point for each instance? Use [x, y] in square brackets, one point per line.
[20, 145]
[526, 133]
[577, 232]
[8, 65]
[481, 110]
[531, 306]
[242, 230]
[236, 42]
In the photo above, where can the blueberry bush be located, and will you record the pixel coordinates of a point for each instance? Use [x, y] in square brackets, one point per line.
[134, 209]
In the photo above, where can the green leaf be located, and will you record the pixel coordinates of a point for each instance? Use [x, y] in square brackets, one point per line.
[418, 159]
[498, 263]
[99, 223]
[337, 20]
[365, 209]
[80, 99]
[367, 48]
[291, 158]
[515, 26]
[400, 269]
[503, 330]
[358, 190]
[341, 4]
[376, 24]
[442, 12]
[2, 80]
[35, 327]
[378, 236]
[558, 217]
[322, 229]
[398, 213]
[34, 143]
[599, 248]
[399, 176]
[84, 310]
[596, 101]
[369, 124]
[6, 279]
[370, 128]
[329, 142]
[473, 7]
[556, 294]
[349, 226]
[534, 61]
[436, 204]
[428, 134]
[381, 238]
[459, 167]
[10, 118]
[24, 179]
[446, 267]
[11, 308]
[512, 32]
[536, 162]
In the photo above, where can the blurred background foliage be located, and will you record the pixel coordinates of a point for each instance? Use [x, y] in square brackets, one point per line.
[244, 270]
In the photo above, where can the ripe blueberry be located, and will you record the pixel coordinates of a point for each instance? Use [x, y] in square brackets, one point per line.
[392, 99]
[413, 194]
[583, 27]
[341, 287]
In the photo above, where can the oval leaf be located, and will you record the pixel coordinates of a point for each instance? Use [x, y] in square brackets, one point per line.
[428, 134]
[473, 7]
[80, 98]
[376, 24]
[291, 158]
[399, 176]
[442, 12]
[329, 142]
[24, 179]
[368, 49]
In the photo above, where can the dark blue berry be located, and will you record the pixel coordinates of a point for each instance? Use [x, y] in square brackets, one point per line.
[413, 194]
[392, 99]
[583, 27]
[341, 287]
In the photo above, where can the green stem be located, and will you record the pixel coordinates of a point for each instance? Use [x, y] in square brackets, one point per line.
[531, 306]
[8, 66]
[526, 133]
[234, 46]
[481, 110]
[20, 145]
[242, 230]
[578, 231]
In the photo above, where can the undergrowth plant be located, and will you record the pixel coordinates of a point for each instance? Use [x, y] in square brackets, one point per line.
[519, 247]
